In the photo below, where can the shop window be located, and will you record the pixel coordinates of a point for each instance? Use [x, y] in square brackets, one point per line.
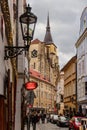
[61, 98]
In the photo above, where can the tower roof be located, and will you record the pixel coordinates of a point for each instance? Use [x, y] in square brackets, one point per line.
[48, 37]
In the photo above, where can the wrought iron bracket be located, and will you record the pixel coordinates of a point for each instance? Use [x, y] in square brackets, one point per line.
[14, 51]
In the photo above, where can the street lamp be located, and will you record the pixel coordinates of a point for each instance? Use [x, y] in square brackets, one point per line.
[28, 22]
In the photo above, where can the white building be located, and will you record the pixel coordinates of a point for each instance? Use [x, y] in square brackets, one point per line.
[81, 47]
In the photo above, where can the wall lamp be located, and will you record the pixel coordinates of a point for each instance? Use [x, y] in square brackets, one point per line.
[28, 22]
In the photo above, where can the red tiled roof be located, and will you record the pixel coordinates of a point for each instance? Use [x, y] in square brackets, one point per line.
[36, 41]
[38, 75]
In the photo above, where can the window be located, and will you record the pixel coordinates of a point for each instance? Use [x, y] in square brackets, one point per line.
[61, 98]
[85, 88]
[85, 23]
[34, 65]
[42, 94]
[82, 66]
[14, 10]
[1, 26]
[79, 70]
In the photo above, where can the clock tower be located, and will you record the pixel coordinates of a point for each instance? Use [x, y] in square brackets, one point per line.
[52, 56]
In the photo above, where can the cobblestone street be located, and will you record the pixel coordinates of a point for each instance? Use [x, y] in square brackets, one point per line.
[47, 126]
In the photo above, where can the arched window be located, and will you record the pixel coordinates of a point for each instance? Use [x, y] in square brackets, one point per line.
[34, 65]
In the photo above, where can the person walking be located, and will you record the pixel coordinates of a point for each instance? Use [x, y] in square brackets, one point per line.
[29, 120]
[26, 121]
[34, 119]
[43, 116]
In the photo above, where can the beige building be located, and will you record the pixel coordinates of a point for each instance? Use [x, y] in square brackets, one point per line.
[60, 93]
[44, 65]
[70, 85]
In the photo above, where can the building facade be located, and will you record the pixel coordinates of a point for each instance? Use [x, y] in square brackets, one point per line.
[81, 47]
[13, 71]
[69, 70]
[45, 62]
[44, 93]
[8, 70]
[60, 94]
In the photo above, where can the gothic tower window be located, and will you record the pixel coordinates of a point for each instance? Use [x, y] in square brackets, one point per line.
[34, 65]
[84, 22]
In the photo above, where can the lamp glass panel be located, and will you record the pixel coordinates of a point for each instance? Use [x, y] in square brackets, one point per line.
[27, 34]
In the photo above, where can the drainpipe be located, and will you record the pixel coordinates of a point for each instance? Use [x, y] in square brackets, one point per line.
[76, 84]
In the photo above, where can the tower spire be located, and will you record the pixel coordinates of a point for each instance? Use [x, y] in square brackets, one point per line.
[48, 37]
[48, 25]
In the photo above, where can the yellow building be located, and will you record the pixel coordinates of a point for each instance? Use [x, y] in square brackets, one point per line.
[44, 69]
[70, 85]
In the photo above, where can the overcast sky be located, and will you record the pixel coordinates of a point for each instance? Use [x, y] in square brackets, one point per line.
[64, 18]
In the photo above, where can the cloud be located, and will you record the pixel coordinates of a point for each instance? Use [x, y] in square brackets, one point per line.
[64, 58]
[64, 22]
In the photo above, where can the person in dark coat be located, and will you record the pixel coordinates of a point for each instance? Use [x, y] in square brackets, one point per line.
[26, 119]
[43, 116]
[34, 119]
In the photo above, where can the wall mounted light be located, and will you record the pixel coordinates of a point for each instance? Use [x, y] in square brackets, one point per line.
[28, 22]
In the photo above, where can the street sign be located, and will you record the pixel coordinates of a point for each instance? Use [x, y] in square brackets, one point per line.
[31, 85]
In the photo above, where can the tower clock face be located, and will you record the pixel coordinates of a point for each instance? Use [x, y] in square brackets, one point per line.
[34, 53]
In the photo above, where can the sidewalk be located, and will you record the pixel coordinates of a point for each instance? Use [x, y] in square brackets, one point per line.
[31, 128]
[37, 125]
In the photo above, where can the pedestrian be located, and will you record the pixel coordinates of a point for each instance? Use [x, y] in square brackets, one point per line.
[43, 116]
[35, 119]
[39, 116]
[29, 120]
[26, 120]
[47, 117]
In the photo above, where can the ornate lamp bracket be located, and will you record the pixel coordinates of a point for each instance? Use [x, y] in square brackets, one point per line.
[13, 51]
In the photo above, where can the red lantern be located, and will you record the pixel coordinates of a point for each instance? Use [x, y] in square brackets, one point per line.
[31, 85]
